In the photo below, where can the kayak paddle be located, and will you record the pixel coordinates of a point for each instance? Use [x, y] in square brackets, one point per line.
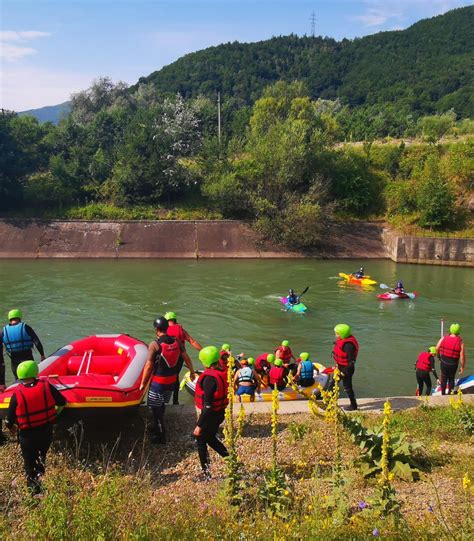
[384, 286]
[303, 292]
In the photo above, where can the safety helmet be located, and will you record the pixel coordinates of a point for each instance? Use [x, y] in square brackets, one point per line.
[270, 358]
[251, 361]
[342, 330]
[225, 347]
[304, 356]
[455, 328]
[170, 315]
[15, 314]
[161, 324]
[291, 291]
[278, 362]
[361, 269]
[27, 369]
[209, 356]
[285, 343]
[432, 350]
[399, 283]
[244, 362]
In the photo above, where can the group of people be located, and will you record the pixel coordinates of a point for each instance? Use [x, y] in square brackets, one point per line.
[398, 289]
[35, 403]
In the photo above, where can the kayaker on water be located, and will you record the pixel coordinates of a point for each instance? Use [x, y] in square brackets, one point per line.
[18, 339]
[359, 274]
[345, 351]
[292, 297]
[33, 409]
[211, 401]
[424, 365]
[245, 380]
[176, 330]
[450, 349]
[163, 360]
[399, 289]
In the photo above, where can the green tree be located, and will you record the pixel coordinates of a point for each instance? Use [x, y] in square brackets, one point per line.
[435, 127]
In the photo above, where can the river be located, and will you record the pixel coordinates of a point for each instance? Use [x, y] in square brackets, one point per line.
[236, 301]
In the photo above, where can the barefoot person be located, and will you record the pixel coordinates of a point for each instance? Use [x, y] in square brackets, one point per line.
[211, 402]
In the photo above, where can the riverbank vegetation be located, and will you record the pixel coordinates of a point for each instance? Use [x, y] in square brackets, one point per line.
[290, 477]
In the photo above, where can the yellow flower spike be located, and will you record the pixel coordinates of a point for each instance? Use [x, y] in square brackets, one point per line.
[466, 481]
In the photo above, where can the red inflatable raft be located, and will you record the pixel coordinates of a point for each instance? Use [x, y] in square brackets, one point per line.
[97, 373]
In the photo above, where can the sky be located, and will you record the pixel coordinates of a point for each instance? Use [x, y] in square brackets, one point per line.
[52, 48]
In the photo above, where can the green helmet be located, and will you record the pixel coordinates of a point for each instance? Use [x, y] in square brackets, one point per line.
[27, 369]
[270, 358]
[170, 315]
[209, 356]
[251, 361]
[432, 350]
[343, 330]
[455, 328]
[225, 347]
[304, 356]
[278, 362]
[285, 343]
[15, 314]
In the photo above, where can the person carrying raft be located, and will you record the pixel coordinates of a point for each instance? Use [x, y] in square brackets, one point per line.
[450, 349]
[245, 380]
[305, 371]
[211, 401]
[425, 364]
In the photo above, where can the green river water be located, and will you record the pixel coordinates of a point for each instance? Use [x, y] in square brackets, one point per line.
[236, 301]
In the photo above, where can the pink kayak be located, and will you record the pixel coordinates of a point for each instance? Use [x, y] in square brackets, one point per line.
[393, 296]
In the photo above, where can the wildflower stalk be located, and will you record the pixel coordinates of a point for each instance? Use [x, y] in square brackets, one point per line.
[275, 407]
[240, 421]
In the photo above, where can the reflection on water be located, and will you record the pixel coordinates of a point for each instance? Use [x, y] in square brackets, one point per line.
[236, 301]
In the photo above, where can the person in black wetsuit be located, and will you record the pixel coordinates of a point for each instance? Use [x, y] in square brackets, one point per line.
[211, 401]
[292, 297]
[345, 351]
[33, 409]
[18, 338]
[359, 274]
[425, 364]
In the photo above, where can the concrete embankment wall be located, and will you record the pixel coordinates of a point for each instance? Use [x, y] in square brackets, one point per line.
[171, 239]
[429, 250]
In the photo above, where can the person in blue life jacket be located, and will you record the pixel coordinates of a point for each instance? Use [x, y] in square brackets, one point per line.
[305, 372]
[18, 339]
[245, 380]
[359, 274]
[292, 297]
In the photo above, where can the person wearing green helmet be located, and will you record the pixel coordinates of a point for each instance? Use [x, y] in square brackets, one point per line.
[284, 352]
[305, 372]
[345, 351]
[211, 401]
[32, 409]
[177, 331]
[424, 365]
[277, 375]
[224, 355]
[450, 349]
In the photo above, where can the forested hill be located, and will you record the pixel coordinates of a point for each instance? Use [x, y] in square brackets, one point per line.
[426, 68]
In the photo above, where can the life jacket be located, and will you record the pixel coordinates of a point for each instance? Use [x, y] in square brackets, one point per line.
[223, 362]
[165, 369]
[35, 405]
[219, 399]
[176, 331]
[285, 353]
[276, 375]
[424, 361]
[451, 346]
[307, 370]
[16, 338]
[261, 363]
[246, 375]
[340, 356]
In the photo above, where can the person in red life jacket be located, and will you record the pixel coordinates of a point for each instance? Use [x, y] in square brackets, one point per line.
[346, 349]
[262, 367]
[211, 401]
[18, 338]
[162, 363]
[33, 408]
[450, 349]
[399, 289]
[224, 356]
[277, 375]
[425, 364]
[284, 352]
[305, 372]
[245, 380]
[176, 330]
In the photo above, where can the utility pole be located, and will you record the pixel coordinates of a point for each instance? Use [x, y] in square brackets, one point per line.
[313, 24]
[219, 117]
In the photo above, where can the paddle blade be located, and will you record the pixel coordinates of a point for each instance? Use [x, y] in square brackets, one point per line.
[384, 286]
[304, 291]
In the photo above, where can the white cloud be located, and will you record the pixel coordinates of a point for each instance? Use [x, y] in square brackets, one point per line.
[10, 52]
[25, 35]
[30, 88]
